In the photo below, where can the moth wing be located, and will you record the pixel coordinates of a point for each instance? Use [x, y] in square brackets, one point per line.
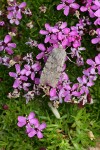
[53, 67]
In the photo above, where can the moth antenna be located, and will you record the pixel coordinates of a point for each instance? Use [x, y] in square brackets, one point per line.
[71, 60]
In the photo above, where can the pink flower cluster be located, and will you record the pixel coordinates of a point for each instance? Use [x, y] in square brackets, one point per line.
[33, 127]
[27, 77]
[65, 90]
[22, 75]
[61, 34]
[93, 7]
[67, 37]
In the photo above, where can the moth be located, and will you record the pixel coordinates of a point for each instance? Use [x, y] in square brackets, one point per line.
[53, 67]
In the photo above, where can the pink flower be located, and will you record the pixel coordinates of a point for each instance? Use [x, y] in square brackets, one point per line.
[6, 45]
[89, 7]
[67, 5]
[97, 39]
[15, 12]
[22, 121]
[36, 130]
[44, 52]
[18, 77]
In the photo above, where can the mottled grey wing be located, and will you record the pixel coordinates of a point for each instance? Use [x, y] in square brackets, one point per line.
[53, 67]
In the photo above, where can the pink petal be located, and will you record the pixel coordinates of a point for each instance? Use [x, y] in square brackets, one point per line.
[39, 135]
[31, 115]
[97, 21]
[91, 13]
[36, 67]
[41, 47]
[23, 72]
[75, 93]
[98, 69]
[94, 7]
[64, 24]
[53, 92]
[1, 48]
[66, 30]
[60, 6]
[79, 80]
[47, 26]
[34, 122]
[97, 13]
[16, 83]
[75, 86]
[18, 15]
[28, 73]
[37, 80]
[12, 21]
[97, 60]
[27, 67]
[12, 74]
[75, 5]
[76, 44]
[65, 42]
[12, 45]
[21, 124]
[43, 32]
[90, 62]
[54, 30]
[10, 15]
[90, 84]
[16, 22]
[7, 39]
[47, 38]
[22, 5]
[66, 10]
[96, 2]
[95, 40]
[22, 119]
[42, 126]
[84, 79]
[23, 78]
[28, 128]
[32, 75]
[83, 9]
[17, 66]
[60, 36]
[9, 50]
[67, 98]
[32, 133]
[40, 55]
[69, 1]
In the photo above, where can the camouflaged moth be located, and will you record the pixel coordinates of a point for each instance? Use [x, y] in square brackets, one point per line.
[53, 67]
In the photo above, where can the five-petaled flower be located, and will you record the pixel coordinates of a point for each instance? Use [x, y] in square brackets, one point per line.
[68, 5]
[6, 45]
[15, 12]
